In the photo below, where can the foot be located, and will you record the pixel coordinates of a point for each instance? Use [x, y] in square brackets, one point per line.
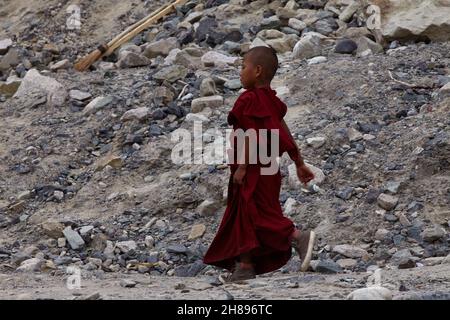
[240, 274]
[304, 246]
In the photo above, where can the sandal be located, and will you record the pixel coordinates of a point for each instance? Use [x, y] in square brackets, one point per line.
[304, 247]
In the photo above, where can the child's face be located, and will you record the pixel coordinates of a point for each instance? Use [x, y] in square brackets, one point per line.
[249, 73]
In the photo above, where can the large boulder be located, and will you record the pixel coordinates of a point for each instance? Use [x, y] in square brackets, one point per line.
[309, 46]
[161, 47]
[415, 19]
[35, 82]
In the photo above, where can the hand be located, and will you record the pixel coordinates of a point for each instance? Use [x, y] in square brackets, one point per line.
[239, 175]
[304, 174]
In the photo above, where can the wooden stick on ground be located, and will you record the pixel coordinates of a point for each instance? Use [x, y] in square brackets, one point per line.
[129, 33]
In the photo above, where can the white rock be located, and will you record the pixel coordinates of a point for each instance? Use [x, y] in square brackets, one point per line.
[349, 251]
[79, 95]
[62, 242]
[445, 90]
[138, 114]
[354, 135]
[208, 207]
[371, 293]
[257, 42]
[97, 104]
[34, 81]
[381, 234]
[196, 117]
[161, 47]
[317, 60]
[201, 103]
[296, 24]
[347, 263]
[126, 246]
[290, 206]
[348, 12]
[309, 46]
[213, 58]
[316, 142]
[63, 64]
[31, 265]
[149, 242]
[74, 239]
[171, 57]
[208, 87]
[387, 202]
[409, 19]
[5, 44]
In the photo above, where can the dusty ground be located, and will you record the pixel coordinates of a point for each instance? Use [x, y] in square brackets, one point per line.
[420, 283]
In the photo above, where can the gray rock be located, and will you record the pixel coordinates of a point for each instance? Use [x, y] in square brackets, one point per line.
[392, 186]
[79, 95]
[365, 43]
[31, 265]
[382, 234]
[297, 24]
[63, 64]
[208, 207]
[350, 251]
[97, 104]
[234, 84]
[161, 47]
[316, 142]
[9, 60]
[138, 114]
[387, 202]
[346, 46]
[74, 239]
[346, 193]
[208, 87]
[126, 246]
[5, 44]
[86, 230]
[402, 258]
[132, 60]
[199, 104]
[347, 14]
[433, 234]
[327, 266]
[326, 26]
[126, 283]
[217, 59]
[272, 22]
[309, 46]
[177, 249]
[171, 73]
[35, 82]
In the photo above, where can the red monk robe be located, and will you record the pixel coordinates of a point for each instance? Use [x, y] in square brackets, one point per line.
[253, 220]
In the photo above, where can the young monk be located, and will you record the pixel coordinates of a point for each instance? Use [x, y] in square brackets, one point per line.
[254, 237]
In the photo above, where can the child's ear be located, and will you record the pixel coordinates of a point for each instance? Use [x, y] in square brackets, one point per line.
[259, 70]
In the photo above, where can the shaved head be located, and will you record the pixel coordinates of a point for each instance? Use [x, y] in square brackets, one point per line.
[266, 57]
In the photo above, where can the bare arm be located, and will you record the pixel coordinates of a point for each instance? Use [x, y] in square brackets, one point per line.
[299, 159]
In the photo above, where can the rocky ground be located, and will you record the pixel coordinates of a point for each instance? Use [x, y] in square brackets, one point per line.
[87, 179]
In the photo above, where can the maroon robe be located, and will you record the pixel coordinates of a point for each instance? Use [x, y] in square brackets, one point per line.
[253, 221]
